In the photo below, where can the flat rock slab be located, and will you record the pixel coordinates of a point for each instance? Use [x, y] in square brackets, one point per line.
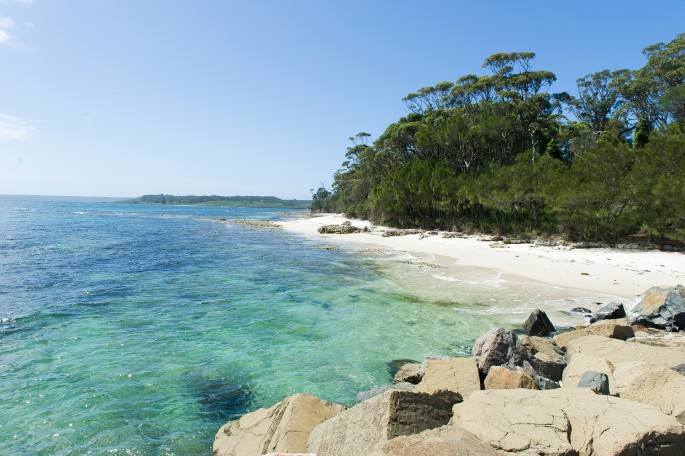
[568, 422]
[614, 329]
[454, 374]
[443, 441]
[617, 351]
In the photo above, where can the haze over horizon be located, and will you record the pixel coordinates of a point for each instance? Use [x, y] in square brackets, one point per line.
[258, 98]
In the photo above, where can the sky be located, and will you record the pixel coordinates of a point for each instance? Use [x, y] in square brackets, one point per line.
[259, 97]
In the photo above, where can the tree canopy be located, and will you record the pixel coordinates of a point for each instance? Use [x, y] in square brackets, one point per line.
[503, 152]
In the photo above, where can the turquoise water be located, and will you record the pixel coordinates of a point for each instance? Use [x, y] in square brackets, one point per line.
[141, 329]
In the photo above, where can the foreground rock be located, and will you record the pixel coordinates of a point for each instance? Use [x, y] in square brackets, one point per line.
[568, 422]
[661, 307]
[659, 386]
[617, 351]
[363, 429]
[284, 428]
[409, 373]
[502, 378]
[546, 358]
[443, 441]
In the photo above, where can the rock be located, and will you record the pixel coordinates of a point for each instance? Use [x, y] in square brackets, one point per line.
[545, 383]
[580, 363]
[617, 351]
[567, 422]
[410, 373]
[650, 384]
[402, 386]
[502, 378]
[583, 310]
[394, 366]
[538, 324]
[443, 441]
[459, 375]
[338, 229]
[660, 307]
[285, 427]
[546, 359]
[680, 368]
[611, 311]
[660, 338]
[362, 429]
[497, 347]
[596, 381]
[615, 329]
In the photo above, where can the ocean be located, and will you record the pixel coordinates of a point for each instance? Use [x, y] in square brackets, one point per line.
[140, 329]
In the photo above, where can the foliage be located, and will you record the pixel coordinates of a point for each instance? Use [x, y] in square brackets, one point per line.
[500, 152]
[215, 200]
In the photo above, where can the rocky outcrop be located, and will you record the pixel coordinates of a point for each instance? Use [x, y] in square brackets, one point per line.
[361, 430]
[443, 441]
[285, 427]
[567, 422]
[615, 329]
[538, 324]
[338, 229]
[502, 378]
[611, 311]
[459, 375]
[660, 307]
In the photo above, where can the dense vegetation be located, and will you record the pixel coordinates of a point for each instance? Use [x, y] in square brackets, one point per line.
[229, 201]
[501, 152]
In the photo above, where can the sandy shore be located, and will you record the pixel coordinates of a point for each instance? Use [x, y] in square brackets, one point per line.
[622, 273]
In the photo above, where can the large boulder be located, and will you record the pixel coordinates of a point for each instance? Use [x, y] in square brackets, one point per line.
[615, 329]
[568, 422]
[362, 429]
[617, 351]
[611, 311]
[660, 307]
[538, 324]
[285, 427]
[650, 384]
[497, 347]
[443, 441]
[502, 378]
[459, 375]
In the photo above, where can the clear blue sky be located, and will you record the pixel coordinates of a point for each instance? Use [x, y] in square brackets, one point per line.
[249, 97]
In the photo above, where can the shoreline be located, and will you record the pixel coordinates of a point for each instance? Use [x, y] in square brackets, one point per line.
[622, 273]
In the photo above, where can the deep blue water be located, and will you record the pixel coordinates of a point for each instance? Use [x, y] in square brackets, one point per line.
[142, 329]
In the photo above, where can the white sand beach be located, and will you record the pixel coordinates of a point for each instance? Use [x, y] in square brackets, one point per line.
[620, 272]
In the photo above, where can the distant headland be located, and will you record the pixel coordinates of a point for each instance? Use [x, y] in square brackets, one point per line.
[227, 201]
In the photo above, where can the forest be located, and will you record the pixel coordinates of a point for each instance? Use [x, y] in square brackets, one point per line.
[501, 152]
[267, 202]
